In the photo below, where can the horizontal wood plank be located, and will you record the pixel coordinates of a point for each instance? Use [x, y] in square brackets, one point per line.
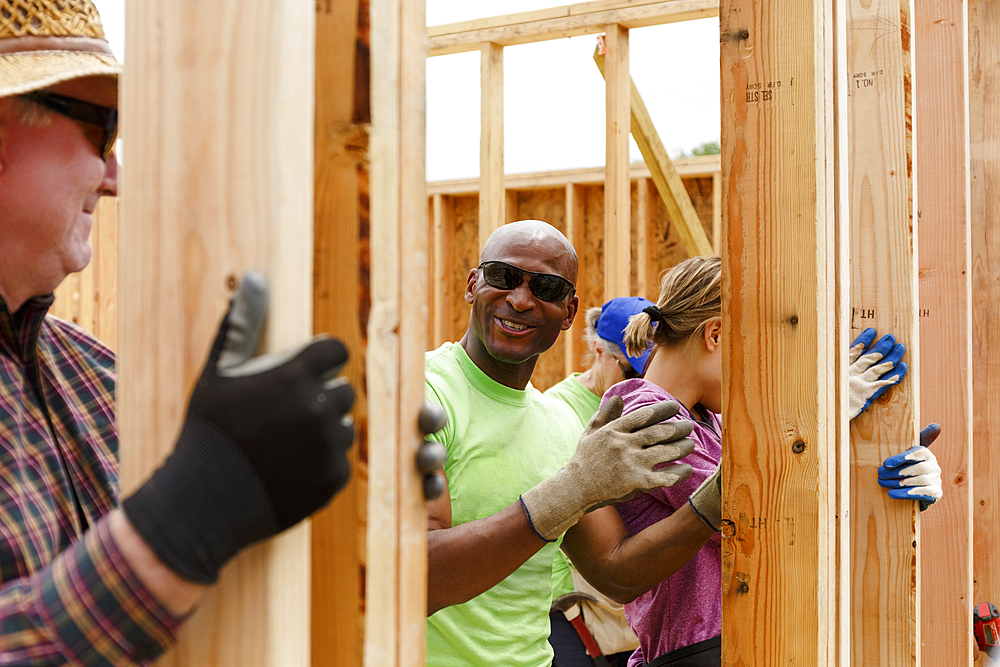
[545, 25]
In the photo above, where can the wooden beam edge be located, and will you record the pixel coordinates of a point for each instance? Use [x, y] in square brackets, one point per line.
[528, 28]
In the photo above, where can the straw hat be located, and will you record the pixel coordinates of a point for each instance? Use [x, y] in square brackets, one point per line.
[45, 42]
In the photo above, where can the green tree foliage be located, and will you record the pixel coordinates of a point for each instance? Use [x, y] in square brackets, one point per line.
[704, 148]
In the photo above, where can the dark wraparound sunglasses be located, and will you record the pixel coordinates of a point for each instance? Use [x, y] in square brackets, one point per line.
[545, 286]
[93, 115]
[628, 372]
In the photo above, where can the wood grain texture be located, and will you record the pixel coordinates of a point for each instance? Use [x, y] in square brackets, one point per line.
[877, 116]
[89, 298]
[397, 548]
[617, 181]
[592, 249]
[207, 106]
[640, 239]
[717, 213]
[573, 345]
[341, 303]
[940, 133]
[780, 378]
[492, 197]
[446, 278]
[464, 258]
[984, 205]
[561, 22]
[668, 181]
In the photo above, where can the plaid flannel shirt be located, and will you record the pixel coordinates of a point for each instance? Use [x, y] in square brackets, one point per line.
[66, 593]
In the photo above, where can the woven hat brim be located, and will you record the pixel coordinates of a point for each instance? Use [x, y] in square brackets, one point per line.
[25, 72]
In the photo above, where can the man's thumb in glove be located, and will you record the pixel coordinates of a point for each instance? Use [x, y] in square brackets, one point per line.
[929, 434]
[241, 328]
[610, 411]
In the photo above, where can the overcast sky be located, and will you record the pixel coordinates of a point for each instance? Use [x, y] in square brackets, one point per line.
[553, 92]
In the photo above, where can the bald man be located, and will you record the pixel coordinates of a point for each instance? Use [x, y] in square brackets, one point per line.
[516, 476]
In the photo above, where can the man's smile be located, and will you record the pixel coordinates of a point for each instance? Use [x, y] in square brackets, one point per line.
[511, 326]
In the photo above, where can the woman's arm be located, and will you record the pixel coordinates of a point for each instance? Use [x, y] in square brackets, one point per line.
[624, 566]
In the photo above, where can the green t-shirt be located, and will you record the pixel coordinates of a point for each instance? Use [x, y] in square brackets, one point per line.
[572, 392]
[501, 442]
[585, 404]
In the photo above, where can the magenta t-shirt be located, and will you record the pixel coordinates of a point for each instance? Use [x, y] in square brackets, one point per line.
[686, 608]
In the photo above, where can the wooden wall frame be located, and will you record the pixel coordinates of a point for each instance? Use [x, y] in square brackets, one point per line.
[957, 83]
[842, 271]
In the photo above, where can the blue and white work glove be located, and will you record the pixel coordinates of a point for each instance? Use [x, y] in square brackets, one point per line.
[873, 369]
[914, 474]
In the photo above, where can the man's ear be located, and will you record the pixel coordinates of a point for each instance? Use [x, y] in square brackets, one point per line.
[571, 309]
[713, 334]
[470, 285]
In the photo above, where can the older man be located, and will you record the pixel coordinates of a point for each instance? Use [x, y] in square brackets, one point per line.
[83, 581]
[510, 492]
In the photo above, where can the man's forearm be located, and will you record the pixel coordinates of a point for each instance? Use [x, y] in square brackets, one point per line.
[467, 560]
[179, 596]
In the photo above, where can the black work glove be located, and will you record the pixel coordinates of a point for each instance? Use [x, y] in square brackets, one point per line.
[262, 447]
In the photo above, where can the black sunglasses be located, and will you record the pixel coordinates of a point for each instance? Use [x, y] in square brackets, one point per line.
[95, 115]
[628, 372]
[545, 286]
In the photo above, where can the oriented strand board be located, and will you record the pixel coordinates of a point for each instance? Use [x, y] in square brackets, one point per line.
[984, 131]
[572, 340]
[209, 107]
[640, 237]
[443, 276]
[590, 285]
[464, 258]
[940, 133]
[779, 347]
[666, 247]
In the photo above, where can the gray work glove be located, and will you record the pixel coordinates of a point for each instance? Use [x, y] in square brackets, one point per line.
[264, 444]
[613, 461]
[706, 501]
